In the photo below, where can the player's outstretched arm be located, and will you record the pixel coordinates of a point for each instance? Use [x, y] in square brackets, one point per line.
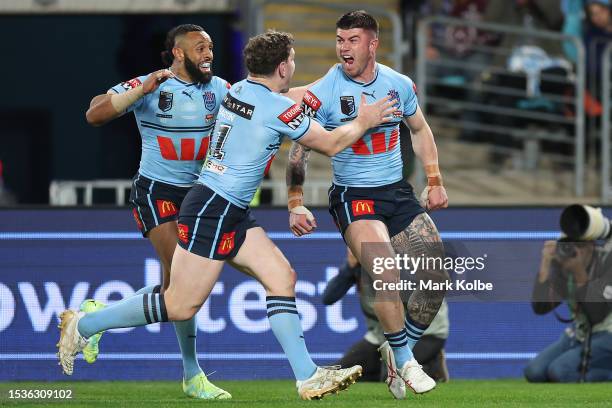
[106, 107]
[425, 149]
[297, 93]
[332, 143]
[301, 220]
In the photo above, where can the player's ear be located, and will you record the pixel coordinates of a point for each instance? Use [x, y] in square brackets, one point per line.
[282, 69]
[178, 53]
[373, 44]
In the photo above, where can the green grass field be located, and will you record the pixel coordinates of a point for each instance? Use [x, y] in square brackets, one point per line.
[281, 394]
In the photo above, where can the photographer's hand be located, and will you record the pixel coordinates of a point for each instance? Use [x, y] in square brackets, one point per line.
[548, 252]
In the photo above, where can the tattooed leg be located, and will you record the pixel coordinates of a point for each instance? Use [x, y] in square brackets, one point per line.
[421, 239]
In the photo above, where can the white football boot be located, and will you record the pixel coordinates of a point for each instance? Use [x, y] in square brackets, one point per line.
[328, 380]
[414, 376]
[71, 342]
[397, 386]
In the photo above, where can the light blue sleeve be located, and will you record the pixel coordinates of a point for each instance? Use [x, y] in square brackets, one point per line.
[222, 87]
[408, 93]
[126, 86]
[287, 118]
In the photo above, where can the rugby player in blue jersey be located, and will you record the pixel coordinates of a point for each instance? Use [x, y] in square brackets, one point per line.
[215, 224]
[175, 110]
[370, 201]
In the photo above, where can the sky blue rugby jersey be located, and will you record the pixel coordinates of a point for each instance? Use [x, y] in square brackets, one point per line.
[250, 127]
[175, 123]
[375, 159]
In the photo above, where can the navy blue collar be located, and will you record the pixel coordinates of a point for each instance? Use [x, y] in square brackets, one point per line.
[185, 83]
[258, 83]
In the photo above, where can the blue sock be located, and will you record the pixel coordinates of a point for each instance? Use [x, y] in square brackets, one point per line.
[399, 344]
[138, 310]
[186, 335]
[285, 322]
[414, 331]
[186, 332]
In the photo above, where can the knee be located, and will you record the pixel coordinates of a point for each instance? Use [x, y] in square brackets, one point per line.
[534, 373]
[178, 309]
[560, 373]
[291, 278]
[285, 286]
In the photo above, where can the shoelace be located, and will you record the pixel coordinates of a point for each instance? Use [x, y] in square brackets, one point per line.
[332, 367]
[329, 374]
[420, 373]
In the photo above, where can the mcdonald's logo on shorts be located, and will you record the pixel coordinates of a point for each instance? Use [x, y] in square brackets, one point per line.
[137, 218]
[166, 208]
[183, 233]
[227, 243]
[362, 207]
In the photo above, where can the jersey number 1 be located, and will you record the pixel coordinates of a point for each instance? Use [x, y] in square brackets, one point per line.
[223, 133]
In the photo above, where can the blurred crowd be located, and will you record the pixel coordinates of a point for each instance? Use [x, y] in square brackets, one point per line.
[547, 65]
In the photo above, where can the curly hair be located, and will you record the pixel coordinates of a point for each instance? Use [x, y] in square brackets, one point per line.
[264, 52]
[358, 19]
[166, 55]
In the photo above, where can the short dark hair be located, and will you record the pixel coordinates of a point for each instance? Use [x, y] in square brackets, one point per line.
[358, 19]
[166, 55]
[264, 52]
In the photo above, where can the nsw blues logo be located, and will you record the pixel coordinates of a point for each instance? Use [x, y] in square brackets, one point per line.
[393, 94]
[165, 101]
[347, 104]
[209, 100]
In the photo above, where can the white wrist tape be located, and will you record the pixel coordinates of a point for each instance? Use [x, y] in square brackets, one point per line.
[124, 100]
[301, 210]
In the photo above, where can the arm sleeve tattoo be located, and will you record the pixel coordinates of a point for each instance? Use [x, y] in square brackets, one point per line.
[296, 166]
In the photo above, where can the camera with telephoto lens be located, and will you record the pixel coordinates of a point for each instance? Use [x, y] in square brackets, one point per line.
[581, 223]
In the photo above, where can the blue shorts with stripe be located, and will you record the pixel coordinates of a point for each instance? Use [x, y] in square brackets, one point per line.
[154, 203]
[211, 226]
[394, 204]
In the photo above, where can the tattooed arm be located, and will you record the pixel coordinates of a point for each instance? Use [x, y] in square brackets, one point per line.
[301, 221]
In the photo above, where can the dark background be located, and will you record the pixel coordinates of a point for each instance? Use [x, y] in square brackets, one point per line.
[53, 65]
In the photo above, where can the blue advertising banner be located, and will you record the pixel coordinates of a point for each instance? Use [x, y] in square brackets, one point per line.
[54, 259]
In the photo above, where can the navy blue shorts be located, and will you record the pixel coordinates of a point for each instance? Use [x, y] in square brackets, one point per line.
[154, 203]
[211, 226]
[394, 204]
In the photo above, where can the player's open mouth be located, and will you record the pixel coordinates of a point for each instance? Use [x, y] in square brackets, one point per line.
[205, 66]
[348, 59]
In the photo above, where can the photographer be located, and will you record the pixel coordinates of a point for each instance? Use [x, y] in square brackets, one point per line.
[578, 273]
